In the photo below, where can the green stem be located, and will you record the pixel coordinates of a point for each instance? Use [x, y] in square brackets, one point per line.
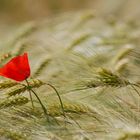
[30, 93]
[61, 103]
[43, 107]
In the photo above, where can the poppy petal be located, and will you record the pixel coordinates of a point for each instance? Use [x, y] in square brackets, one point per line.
[17, 68]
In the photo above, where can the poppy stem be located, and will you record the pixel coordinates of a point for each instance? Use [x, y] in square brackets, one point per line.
[43, 107]
[61, 103]
[30, 93]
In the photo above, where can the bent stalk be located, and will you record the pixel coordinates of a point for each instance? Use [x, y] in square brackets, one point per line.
[61, 103]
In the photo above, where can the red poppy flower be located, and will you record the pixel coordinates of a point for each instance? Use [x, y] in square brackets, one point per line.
[17, 68]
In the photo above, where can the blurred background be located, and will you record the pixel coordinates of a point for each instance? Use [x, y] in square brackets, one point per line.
[16, 11]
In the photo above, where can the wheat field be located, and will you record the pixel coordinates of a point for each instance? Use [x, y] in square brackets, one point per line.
[94, 64]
